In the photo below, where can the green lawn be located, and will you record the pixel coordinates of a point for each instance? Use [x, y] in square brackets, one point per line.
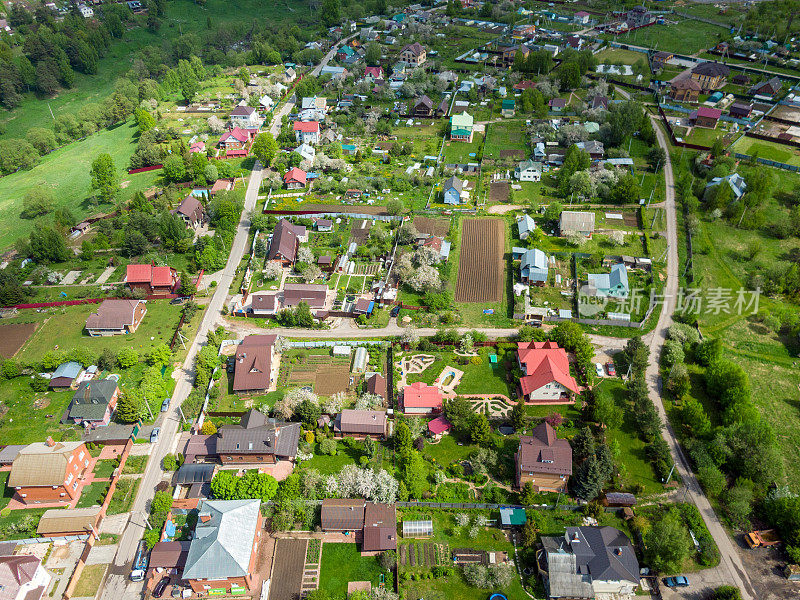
[23, 423]
[63, 328]
[459, 152]
[328, 465]
[66, 173]
[685, 37]
[92, 494]
[342, 563]
[124, 495]
[20, 524]
[135, 465]
[508, 135]
[90, 580]
[767, 150]
[705, 136]
[103, 469]
[447, 451]
[620, 56]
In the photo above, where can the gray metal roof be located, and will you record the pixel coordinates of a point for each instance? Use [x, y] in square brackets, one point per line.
[223, 539]
[195, 473]
[533, 265]
[68, 369]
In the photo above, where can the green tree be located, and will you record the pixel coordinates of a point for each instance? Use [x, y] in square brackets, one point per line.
[667, 544]
[373, 54]
[48, 245]
[694, 417]
[414, 474]
[265, 148]
[188, 80]
[606, 411]
[709, 351]
[253, 484]
[395, 206]
[636, 356]
[144, 120]
[159, 356]
[570, 75]
[518, 417]
[331, 12]
[161, 502]
[129, 407]
[588, 480]
[727, 592]
[127, 357]
[402, 439]
[174, 168]
[104, 177]
[480, 432]
[224, 485]
[38, 201]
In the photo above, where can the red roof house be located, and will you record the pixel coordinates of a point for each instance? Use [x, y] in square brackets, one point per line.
[152, 280]
[439, 426]
[235, 138]
[295, 179]
[546, 378]
[374, 73]
[306, 132]
[707, 117]
[421, 399]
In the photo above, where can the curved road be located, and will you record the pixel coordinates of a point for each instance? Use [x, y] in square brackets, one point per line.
[730, 570]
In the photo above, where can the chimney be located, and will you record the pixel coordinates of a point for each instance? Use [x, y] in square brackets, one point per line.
[49, 442]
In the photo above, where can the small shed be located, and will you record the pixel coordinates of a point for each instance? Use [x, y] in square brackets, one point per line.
[619, 499]
[422, 528]
[513, 517]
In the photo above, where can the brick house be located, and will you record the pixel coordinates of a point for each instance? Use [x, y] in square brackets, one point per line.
[360, 424]
[257, 440]
[685, 89]
[116, 317]
[543, 460]
[413, 54]
[253, 364]
[224, 550]
[49, 471]
[546, 378]
[152, 280]
[286, 238]
[710, 75]
[94, 402]
[234, 139]
[707, 117]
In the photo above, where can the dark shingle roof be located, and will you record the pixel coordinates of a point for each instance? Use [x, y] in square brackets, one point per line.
[91, 399]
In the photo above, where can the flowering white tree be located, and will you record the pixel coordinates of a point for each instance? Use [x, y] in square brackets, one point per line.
[386, 487]
[466, 344]
[462, 519]
[367, 401]
[576, 239]
[481, 521]
[304, 254]
[617, 237]
[332, 486]
[215, 124]
[286, 406]
[473, 532]
[410, 337]
[311, 272]
[426, 256]
[425, 278]
[272, 270]
[334, 404]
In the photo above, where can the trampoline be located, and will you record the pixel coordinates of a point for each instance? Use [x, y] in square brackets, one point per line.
[497, 597]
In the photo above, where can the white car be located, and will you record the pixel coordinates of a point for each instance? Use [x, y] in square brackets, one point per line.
[599, 369]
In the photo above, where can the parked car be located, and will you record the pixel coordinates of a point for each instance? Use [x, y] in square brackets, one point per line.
[165, 405]
[612, 370]
[675, 582]
[160, 587]
[395, 311]
[154, 435]
[599, 368]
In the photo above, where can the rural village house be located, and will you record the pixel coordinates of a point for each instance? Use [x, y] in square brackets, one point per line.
[49, 471]
[116, 317]
[546, 378]
[543, 460]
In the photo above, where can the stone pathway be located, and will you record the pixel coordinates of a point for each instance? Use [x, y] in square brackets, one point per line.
[105, 275]
[70, 278]
[311, 574]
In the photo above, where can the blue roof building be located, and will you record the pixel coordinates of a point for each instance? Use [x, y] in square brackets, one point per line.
[533, 267]
[613, 284]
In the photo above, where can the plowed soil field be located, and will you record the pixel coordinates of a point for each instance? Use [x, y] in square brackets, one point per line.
[480, 267]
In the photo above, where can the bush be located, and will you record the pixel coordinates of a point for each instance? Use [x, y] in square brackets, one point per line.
[727, 592]
[328, 446]
[170, 462]
[208, 428]
[162, 502]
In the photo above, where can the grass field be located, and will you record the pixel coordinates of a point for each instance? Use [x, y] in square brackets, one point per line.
[92, 494]
[618, 55]
[685, 37]
[66, 173]
[507, 135]
[459, 152]
[124, 495]
[22, 424]
[342, 563]
[63, 328]
[768, 150]
[90, 580]
[704, 136]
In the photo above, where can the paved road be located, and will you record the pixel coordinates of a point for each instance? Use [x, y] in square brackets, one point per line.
[117, 585]
[731, 570]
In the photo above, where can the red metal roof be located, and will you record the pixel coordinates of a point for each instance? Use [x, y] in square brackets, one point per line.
[237, 133]
[545, 362]
[306, 126]
[420, 395]
[296, 175]
[711, 113]
[439, 425]
[138, 273]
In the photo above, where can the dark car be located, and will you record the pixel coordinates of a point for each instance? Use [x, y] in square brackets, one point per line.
[674, 582]
[395, 311]
[160, 587]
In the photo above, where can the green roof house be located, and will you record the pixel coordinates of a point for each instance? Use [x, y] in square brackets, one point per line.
[461, 127]
[507, 107]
